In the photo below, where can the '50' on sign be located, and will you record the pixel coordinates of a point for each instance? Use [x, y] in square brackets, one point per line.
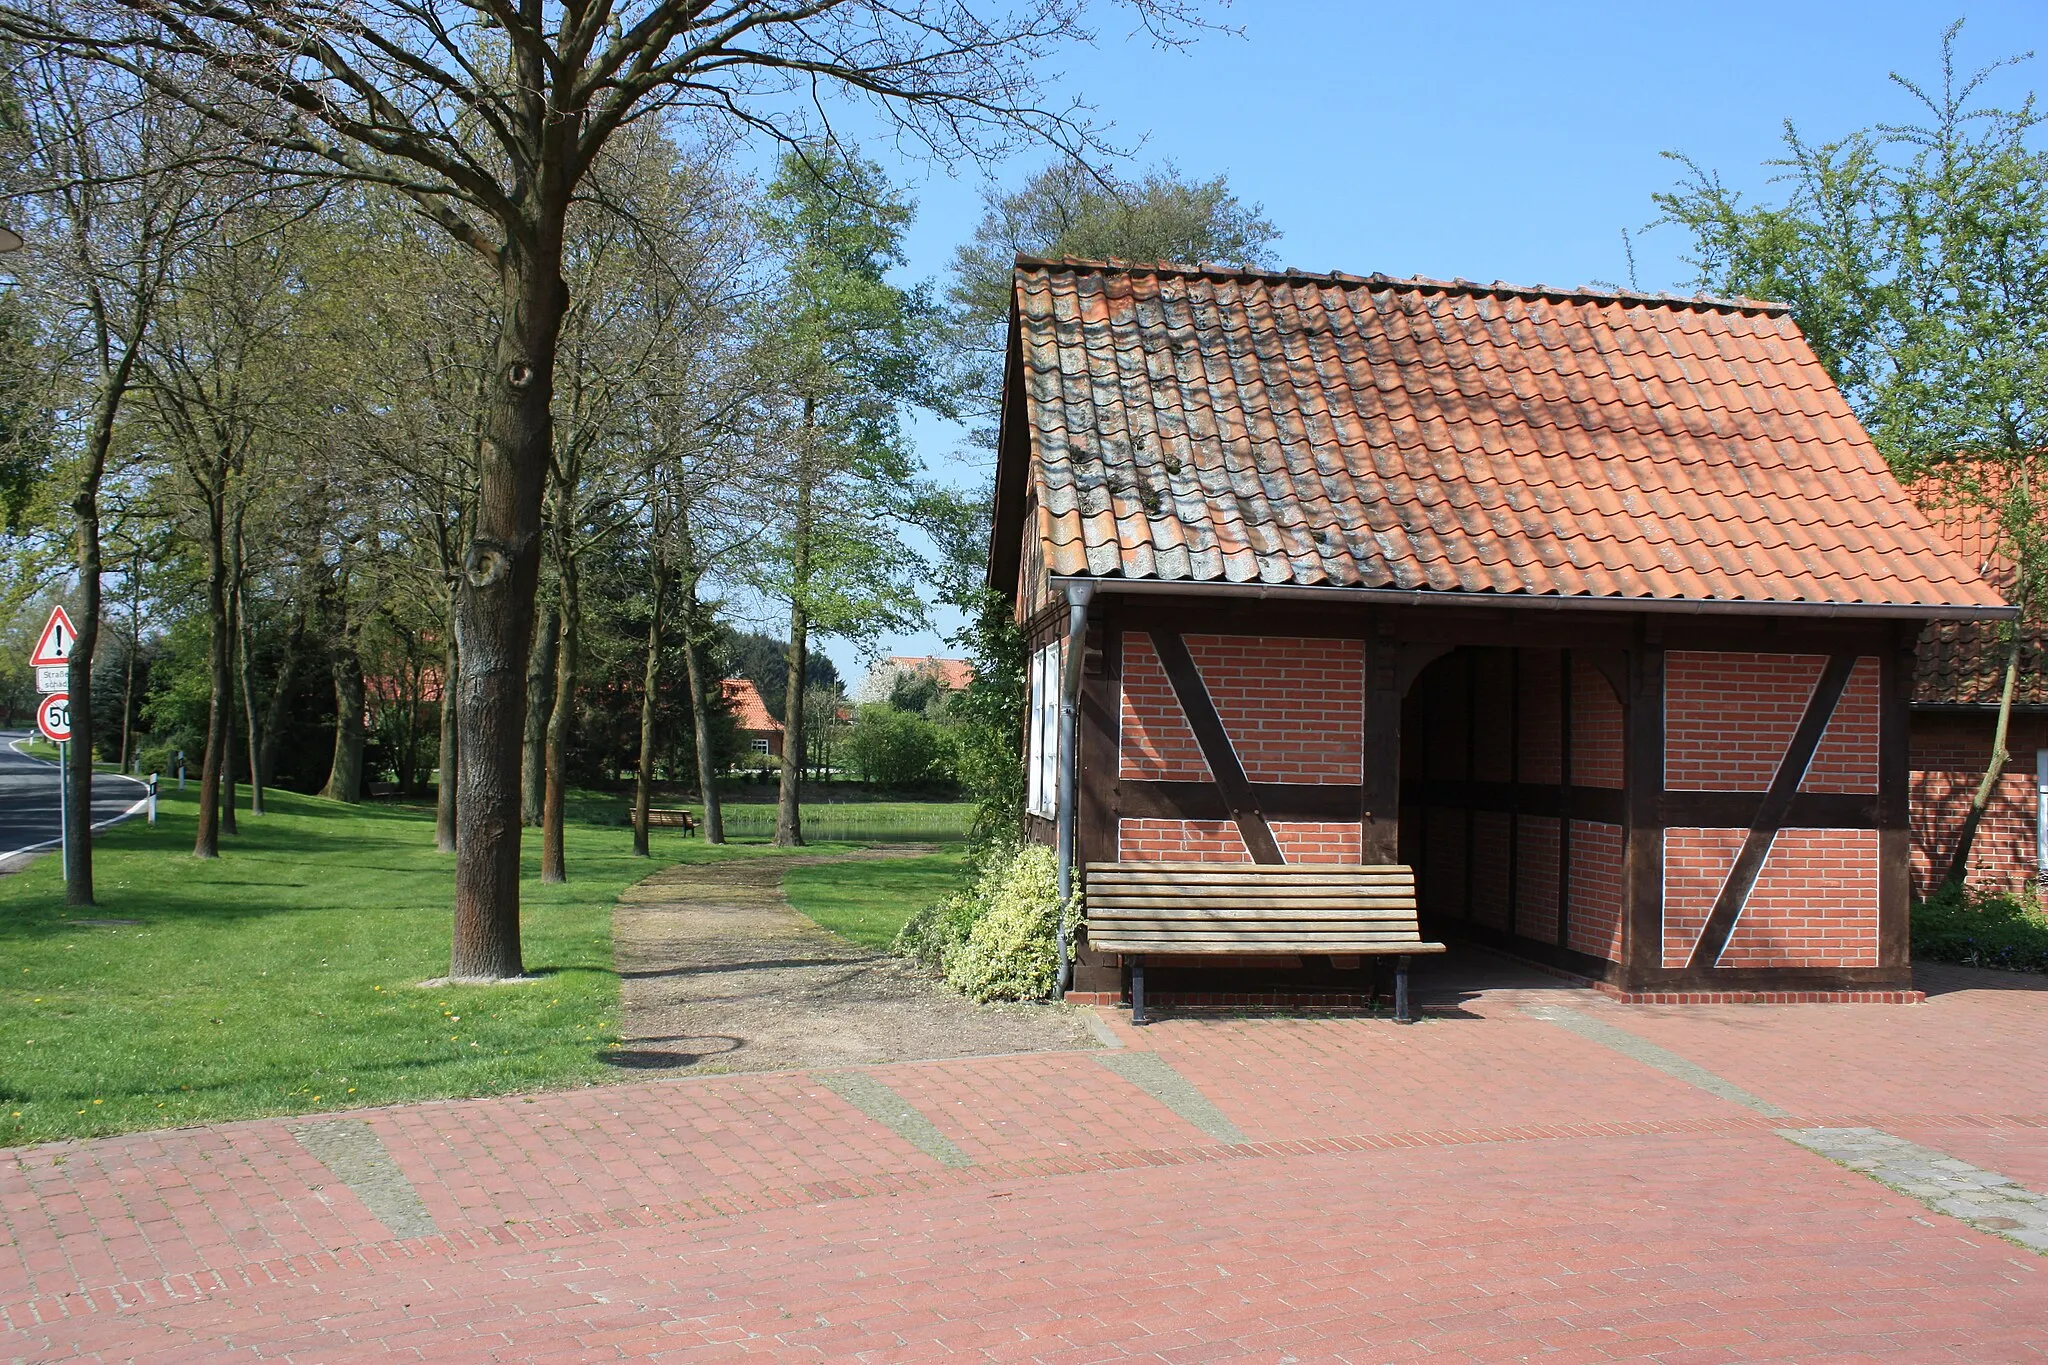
[53, 717]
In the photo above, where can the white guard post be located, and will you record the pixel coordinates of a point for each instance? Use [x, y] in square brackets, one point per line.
[2041, 816]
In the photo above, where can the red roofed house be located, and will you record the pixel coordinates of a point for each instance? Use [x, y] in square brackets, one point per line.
[1597, 609]
[761, 731]
[1956, 685]
[952, 675]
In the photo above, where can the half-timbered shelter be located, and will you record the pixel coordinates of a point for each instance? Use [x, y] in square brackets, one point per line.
[1597, 609]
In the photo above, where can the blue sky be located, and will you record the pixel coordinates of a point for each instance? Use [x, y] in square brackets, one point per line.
[1490, 141]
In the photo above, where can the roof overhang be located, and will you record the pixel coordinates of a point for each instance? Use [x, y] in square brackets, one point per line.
[1423, 597]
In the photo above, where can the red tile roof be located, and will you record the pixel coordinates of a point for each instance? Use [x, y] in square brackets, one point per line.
[1245, 427]
[952, 674]
[749, 712]
[1962, 663]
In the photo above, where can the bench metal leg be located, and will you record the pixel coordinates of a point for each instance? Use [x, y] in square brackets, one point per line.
[1402, 1014]
[1138, 991]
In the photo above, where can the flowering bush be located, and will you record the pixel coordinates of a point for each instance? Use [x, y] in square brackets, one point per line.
[997, 941]
[1982, 929]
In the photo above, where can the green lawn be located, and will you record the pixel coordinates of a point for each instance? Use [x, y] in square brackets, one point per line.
[868, 901]
[283, 978]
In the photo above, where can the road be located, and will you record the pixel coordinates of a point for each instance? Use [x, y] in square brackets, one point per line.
[28, 797]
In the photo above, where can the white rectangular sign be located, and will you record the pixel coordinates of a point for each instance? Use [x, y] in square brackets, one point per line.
[53, 679]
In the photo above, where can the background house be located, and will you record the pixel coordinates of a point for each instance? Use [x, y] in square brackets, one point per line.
[761, 731]
[950, 675]
[1956, 686]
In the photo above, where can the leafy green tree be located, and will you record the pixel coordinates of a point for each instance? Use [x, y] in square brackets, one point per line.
[896, 749]
[849, 352]
[1915, 259]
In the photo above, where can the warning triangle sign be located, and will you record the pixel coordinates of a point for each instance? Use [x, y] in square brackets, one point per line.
[58, 637]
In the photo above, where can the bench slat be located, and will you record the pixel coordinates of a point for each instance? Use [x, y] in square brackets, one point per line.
[1255, 869]
[1261, 946]
[1300, 879]
[1359, 904]
[1256, 913]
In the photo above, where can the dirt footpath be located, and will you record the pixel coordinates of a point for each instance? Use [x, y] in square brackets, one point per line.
[720, 974]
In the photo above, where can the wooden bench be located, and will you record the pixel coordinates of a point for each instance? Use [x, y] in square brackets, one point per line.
[1248, 909]
[672, 819]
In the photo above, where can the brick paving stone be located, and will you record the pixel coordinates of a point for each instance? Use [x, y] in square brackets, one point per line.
[1482, 1186]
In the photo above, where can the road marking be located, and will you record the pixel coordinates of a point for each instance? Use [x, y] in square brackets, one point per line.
[141, 803]
[352, 1150]
[1649, 1054]
[1986, 1200]
[895, 1113]
[1156, 1076]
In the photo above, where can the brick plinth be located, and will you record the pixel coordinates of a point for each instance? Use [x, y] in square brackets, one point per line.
[1761, 997]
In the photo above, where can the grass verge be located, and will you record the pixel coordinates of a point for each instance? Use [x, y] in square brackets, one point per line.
[868, 902]
[283, 977]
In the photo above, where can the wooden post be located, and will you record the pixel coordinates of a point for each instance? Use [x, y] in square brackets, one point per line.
[1894, 804]
[1380, 820]
[1642, 910]
[1100, 759]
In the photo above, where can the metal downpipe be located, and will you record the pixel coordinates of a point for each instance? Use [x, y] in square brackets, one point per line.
[1078, 596]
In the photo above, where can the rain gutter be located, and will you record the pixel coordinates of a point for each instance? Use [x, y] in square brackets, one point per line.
[1426, 597]
[1079, 591]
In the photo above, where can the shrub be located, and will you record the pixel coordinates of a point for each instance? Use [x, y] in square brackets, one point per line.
[1982, 929]
[997, 941]
[892, 748]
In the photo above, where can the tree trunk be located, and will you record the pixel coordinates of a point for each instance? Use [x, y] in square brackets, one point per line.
[134, 647]
[207, 842]
[78, 810]
[281, 692]
[700, 715]
[255, 737]
[345, 774]
[228, 652]
[1980, 800]
[789, 826]
[650, 683]
[494, 606]
[540, 696]
[444, 780]
[553, 860]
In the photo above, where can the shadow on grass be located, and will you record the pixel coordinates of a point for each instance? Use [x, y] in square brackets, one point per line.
[653, 1059]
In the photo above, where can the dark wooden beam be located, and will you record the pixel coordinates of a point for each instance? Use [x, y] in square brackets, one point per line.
[1380, 813]
[1894, 801]
[1642, 906]
[1217, 749]
[1565, 805]
[1770, 814]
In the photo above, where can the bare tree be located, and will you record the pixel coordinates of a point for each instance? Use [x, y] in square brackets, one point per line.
[108, 194]
[399, 92]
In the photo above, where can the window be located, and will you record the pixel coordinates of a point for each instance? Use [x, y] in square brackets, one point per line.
[1042, 734]
[760, 746]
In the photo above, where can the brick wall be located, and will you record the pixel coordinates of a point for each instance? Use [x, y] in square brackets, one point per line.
[1157, 743]
[1949, 751]
[1596, 728]
[1536, 879]
[1729, 717]
[1814, 903]
[1594, 923]
[1294, 710]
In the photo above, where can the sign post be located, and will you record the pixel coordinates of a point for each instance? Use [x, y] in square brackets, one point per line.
[53, 718]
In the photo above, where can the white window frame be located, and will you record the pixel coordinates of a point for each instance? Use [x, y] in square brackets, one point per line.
[2041, 816]
[1042, 733]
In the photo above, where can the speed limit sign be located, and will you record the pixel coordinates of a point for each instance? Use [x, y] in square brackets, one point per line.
[53, 717]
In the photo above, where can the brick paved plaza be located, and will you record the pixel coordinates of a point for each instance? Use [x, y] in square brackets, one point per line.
[1532, 1173]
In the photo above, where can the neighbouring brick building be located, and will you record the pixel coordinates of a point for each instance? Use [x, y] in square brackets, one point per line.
[761, 732]
[1961, 669]
[1597, 609]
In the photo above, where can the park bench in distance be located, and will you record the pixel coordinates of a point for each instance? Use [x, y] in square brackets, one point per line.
[1246, 909]
[672, 819]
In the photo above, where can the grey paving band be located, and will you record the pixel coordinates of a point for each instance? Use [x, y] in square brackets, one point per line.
[1649, 1054]
[1154, 1075]
[352, 1150]
[1986, 1200]
[895, 1113]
